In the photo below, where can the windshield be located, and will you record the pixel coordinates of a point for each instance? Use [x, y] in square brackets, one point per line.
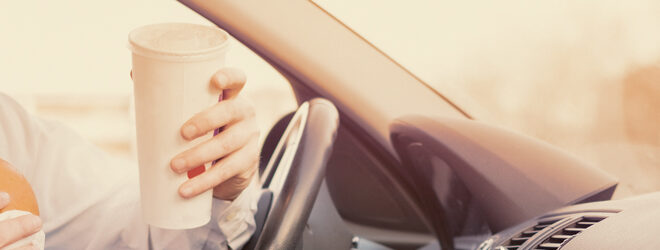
[582, 76]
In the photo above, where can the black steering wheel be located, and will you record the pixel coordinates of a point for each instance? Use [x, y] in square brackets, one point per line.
[293, 176]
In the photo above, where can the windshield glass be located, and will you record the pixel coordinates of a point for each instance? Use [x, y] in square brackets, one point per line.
[579, 75]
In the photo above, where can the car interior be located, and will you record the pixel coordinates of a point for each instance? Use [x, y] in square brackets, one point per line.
[339, 173]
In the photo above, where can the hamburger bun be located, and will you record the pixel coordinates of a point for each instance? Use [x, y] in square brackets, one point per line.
[19, 190]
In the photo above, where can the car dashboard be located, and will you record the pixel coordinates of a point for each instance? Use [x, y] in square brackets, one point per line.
[617, 224]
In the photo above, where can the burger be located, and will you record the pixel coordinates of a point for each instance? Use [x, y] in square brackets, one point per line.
[19, 190]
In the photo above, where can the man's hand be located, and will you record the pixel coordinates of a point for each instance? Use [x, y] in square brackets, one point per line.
[236, 145]
[12, 230]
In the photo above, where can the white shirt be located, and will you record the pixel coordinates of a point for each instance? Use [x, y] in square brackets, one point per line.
[88, 200]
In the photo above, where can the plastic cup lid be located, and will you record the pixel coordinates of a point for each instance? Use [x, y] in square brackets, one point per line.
[178, 41]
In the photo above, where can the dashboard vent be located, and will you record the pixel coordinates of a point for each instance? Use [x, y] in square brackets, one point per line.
[560, 237]
[520, 239]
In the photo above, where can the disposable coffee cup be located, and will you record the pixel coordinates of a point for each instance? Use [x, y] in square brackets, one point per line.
[172, 68]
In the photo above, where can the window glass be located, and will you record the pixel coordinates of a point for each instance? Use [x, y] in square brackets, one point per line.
[579, 74]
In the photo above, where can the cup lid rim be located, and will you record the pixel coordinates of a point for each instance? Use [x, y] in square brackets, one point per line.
[139, 47]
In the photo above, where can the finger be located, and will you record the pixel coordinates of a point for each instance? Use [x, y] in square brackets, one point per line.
[241, 163]
[230, 81]
[229, 140]
[4, 199]
[220, 114]
[18, 228]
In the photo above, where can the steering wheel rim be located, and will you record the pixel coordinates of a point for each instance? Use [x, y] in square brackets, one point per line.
[282, 157]
[295, 172]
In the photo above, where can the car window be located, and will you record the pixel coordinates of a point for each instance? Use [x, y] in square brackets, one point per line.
[579, 75]
[73, 66]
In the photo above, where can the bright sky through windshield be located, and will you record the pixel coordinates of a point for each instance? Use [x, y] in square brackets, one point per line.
[584, 76]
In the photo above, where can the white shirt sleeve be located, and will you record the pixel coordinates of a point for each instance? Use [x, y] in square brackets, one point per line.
[89, 200]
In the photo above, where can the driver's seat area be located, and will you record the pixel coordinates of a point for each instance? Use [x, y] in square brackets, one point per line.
[295, 210]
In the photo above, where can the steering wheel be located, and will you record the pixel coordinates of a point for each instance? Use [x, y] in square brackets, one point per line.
[293, 176]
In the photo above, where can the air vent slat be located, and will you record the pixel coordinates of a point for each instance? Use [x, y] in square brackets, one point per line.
[529, 233]
[550, 246]
[519, 240]
[573, 230]
[559, 238]
[585, 224]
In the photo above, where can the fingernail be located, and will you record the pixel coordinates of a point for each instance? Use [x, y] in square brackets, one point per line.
[4, 199]
[186, 191]
[189, 131]
[178, 164]
[222, 80]
[35, 221]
